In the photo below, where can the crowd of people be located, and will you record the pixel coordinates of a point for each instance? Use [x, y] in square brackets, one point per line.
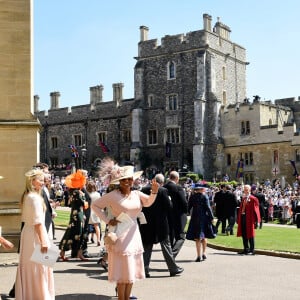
[138, 213]
[275, 202]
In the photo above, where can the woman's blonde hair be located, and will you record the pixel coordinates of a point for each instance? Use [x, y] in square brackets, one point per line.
[29, 177]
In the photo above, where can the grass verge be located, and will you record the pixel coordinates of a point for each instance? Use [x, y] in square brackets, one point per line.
[62, 218]
[274, 238]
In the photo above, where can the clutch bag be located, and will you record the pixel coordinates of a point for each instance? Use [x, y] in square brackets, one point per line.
[48, 259]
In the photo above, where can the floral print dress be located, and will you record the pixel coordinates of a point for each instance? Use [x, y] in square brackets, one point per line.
[73, 236]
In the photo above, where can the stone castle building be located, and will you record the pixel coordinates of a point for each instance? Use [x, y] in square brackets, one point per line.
[189, 111]
[180, 86]
[265, 136]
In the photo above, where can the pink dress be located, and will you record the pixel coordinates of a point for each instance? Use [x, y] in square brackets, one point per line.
[125, 258]
[34, 281]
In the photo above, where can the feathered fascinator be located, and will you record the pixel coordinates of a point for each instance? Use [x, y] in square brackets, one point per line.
[108, 170]
[112, 173]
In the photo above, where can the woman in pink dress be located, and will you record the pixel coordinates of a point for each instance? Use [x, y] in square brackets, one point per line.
[125, 257]
[34, 281]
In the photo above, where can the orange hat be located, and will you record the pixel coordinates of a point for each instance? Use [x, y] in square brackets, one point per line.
[76, 180]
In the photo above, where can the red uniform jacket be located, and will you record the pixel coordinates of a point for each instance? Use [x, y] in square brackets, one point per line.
[252, 216]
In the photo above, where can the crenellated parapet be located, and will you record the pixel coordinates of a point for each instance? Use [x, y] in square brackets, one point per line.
[216, 38]
[172, 43]
[96, 98]
[78, 113]
[257, 122]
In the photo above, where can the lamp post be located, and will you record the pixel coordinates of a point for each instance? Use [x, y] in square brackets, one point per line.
[83, 156]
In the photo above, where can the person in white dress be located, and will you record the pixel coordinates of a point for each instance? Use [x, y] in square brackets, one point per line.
[94, 219]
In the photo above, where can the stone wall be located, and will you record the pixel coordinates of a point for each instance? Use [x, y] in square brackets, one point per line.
[19, 129]
[262, 141]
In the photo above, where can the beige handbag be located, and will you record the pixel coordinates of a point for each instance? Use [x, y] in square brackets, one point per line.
[110, 238]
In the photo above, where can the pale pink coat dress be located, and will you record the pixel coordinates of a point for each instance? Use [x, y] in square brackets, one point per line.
[125, 258]
[34, 281]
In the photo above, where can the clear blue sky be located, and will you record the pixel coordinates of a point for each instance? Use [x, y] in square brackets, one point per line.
[83, 43]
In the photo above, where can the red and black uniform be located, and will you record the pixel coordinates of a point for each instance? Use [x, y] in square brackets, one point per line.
[248, 217]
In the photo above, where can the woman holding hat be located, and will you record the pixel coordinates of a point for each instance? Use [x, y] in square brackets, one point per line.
[73, 237]
[125, 257]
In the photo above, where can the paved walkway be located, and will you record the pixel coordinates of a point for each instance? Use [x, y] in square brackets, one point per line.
[224, 275]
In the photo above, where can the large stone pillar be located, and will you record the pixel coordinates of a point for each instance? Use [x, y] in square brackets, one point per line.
[19, 129]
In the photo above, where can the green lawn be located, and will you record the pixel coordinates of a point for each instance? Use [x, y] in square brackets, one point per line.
[62, 218]
[285, 239]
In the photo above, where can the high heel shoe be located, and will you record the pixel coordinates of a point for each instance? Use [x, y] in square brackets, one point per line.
[62, 256]
[80, 256]
[102, 263]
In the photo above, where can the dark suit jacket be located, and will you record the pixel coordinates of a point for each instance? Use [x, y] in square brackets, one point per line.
[219, 201]
[230, 204]
[261, 199]
[48, 213]
[178, 217]
[157, 227]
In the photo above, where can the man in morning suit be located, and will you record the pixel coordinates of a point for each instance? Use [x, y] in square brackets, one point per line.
[230, 207]
[219, 201]
[156, 230]
[178, 217]
[262, 200]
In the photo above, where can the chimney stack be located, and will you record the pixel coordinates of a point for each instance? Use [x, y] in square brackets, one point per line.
[207, 22]
[96, 94]
[36, 99]
[118, 93]
[222, 30]
[54, 96]
[144, 33]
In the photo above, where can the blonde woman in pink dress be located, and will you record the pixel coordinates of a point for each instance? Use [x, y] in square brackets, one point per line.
[125, 257]
[34, 281]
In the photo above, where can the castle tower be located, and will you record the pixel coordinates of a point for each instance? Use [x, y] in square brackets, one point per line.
[182, 86]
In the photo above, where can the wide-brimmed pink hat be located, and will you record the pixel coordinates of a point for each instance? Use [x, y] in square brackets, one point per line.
[123, 173]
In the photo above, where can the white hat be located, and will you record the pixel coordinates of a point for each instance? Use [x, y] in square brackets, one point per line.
[125, 172]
